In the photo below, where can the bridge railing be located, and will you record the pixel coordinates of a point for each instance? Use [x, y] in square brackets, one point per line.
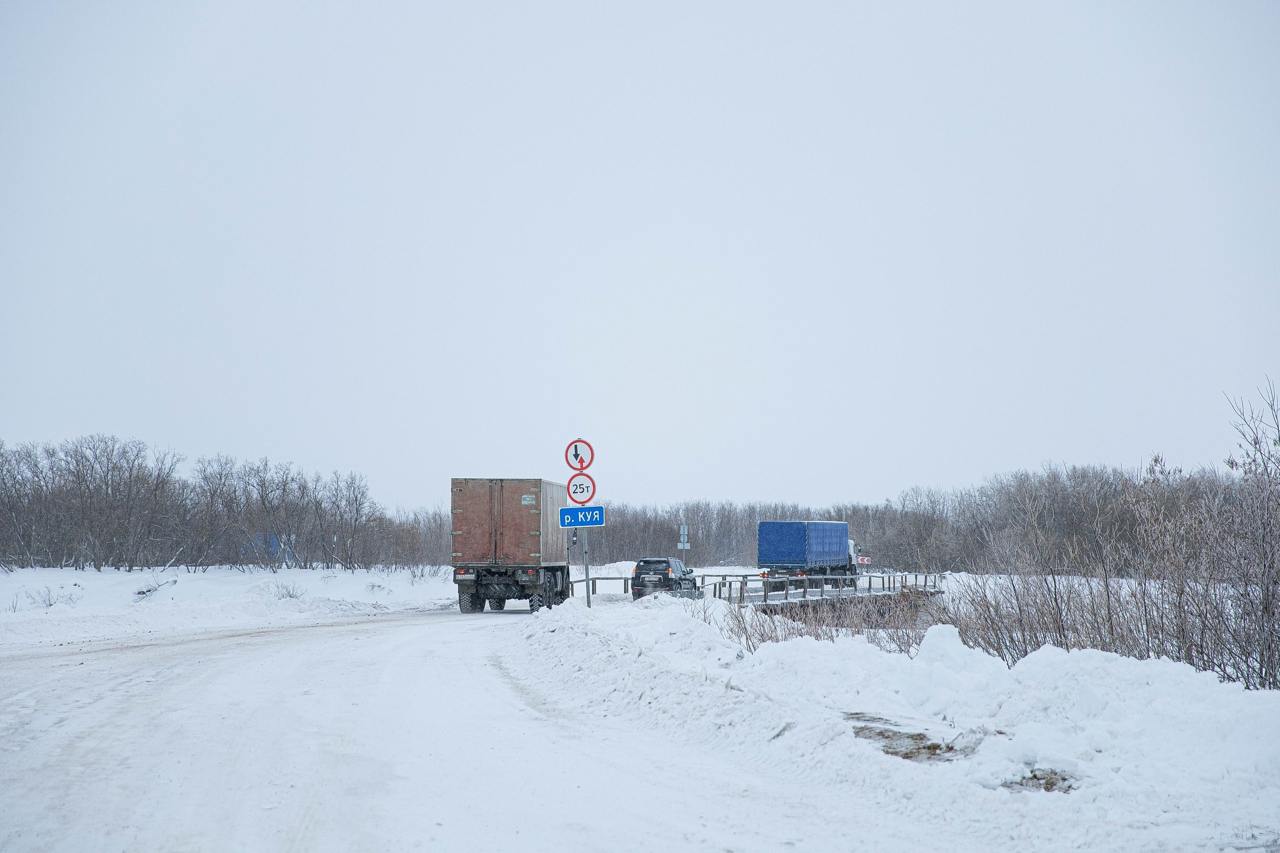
[759, 589]
[595, 583]
[755, 588]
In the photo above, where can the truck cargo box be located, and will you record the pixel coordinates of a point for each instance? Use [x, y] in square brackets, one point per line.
[802, 545]
[507, 522]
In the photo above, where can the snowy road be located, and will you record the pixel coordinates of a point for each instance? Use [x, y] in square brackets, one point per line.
[358, 715]
[402, 732]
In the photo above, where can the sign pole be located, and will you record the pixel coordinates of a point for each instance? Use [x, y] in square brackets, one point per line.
[586, 563]
[581, 488]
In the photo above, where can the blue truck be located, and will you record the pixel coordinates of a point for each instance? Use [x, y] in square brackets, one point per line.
[797, 548]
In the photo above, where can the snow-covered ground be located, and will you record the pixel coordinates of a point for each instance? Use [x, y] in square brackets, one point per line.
[368, 714]
[1156, 755]
[59, 606]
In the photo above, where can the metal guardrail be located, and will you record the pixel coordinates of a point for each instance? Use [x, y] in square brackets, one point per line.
[754, 588]
[626, 583]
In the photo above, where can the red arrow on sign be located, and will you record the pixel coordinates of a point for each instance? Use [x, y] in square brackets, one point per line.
[574, 456]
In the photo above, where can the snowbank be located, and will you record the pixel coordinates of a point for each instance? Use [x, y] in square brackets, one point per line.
[621, 569]
[1154, 754]
[55, 606]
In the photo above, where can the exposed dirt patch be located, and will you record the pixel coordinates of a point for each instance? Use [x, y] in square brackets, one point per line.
[893, 739]
[913, 746]
[1043, 779]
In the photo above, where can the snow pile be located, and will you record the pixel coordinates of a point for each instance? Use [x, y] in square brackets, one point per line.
[621, 569]
[1142, 754]
[53, 606]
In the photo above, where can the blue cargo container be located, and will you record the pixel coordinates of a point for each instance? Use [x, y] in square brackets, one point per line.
[785, 546]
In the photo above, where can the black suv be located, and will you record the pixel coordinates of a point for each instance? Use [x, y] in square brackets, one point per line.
[663, 574]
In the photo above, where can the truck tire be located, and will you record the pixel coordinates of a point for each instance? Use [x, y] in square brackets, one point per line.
[470, 602]
[497, 604]
[535, 602]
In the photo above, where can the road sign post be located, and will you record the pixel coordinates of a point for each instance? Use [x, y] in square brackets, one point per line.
[586, 566]
[578, 455]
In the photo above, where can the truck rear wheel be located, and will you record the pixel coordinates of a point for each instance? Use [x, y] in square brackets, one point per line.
[470, 602]
[535, 602]
[497, 604]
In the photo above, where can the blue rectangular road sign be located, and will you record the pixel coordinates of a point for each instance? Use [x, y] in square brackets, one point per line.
[582, 516]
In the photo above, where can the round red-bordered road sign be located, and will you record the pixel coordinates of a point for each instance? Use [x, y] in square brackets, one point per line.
[579, 454]
[581, 488]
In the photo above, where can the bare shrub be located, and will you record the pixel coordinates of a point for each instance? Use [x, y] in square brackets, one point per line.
[420, 573]
[745, 626]
[892, 622]
[287, 589]
[153, 586]
[1196, 581]
[1248, 542]
[47, 597]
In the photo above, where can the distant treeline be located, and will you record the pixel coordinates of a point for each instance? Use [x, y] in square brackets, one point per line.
[1051, 519]
[102, 502]
[99, 502]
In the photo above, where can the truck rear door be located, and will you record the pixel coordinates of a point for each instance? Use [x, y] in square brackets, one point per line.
[474, 513]
[518, 522]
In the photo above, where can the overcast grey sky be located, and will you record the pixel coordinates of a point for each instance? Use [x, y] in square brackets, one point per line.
[800, 251]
